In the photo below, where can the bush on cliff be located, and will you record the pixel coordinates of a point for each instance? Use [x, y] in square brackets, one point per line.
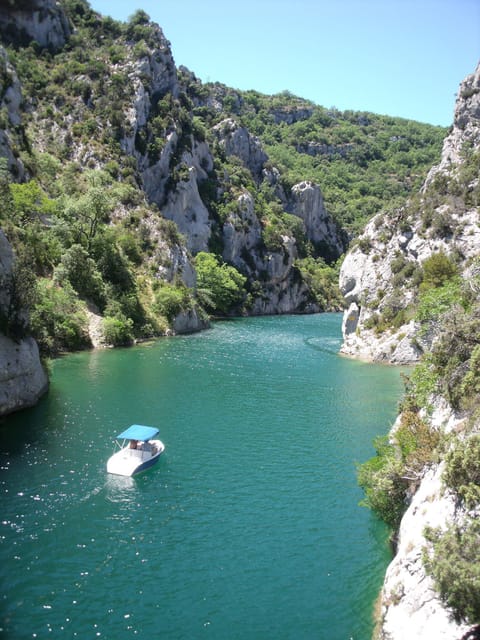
[390, 477]
[221, 286]
[454, 564]
[58, 320]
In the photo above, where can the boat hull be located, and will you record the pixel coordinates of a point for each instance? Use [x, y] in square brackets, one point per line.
[129, 462]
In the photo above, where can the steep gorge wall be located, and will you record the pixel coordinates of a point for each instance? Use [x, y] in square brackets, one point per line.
[411, 609]
[375, 273]
[22, 378]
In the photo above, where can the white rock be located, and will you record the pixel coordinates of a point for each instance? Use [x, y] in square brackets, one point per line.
[307, 203]
[185, 207]
[411, 609]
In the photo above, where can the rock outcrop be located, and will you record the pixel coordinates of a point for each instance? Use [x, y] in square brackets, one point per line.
[10, 104]
[40, 21]
[411, 608]
[237, 141]
[378, 274]
[186, 208]
[306, 202]
[22, 378]
[278, 286]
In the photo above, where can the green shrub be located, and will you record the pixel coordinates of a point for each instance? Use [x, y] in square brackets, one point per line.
[418, 444]
[118, 330]
[322, 281]
[452, 355]
[383, 483]
[390, 476]
[58, 320]
[462, 470]
[437, 270]
[223, 285]
[170, 300]
[470, 386]
[423, 382]
[78, 268]
[454, 564]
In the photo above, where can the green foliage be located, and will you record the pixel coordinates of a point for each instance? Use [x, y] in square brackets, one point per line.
[388, 477]
[171, 299]
[322, 280]
[222, 285]
[118, 330]
[363, 162]
[381, 479]
[418, 443]
[462, 470]
[58, 320]
[87, 213]
[20, 290]
[80, 271]
[454, 564]
[452, 355]
[433, 302]
[437, 270]
[470, 385]
[30, 202]
[423, 382]
[111, 262]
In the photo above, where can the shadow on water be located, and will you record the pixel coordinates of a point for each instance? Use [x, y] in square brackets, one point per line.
[319, 345]
[24, 428]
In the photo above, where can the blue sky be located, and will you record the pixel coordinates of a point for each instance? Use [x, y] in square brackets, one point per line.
[397, 57]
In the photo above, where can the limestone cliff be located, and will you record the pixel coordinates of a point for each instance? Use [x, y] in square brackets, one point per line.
[379, 277]
[10, 105]
[42, 21]
[411, 608]
[279, 289]
[22, 378]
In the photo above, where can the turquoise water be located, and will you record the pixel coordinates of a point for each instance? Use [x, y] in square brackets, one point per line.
[248, 527]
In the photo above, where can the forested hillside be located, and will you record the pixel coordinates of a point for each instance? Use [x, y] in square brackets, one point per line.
[140, 201]
[363, 162]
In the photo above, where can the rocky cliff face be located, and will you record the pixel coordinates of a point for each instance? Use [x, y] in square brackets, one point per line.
[10, 104]
[173, 181]
[280, 288]
[378, 275]
[411, 608]
[40, 21]
[22, 378]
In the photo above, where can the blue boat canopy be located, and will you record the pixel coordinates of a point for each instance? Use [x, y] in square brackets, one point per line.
[138, 432]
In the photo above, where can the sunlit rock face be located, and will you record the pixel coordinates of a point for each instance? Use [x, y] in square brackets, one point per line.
[368, 277]
[306, 202]
[22, 378]
[237, 141]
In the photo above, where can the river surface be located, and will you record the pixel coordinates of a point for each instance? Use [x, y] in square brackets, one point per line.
[247, 528]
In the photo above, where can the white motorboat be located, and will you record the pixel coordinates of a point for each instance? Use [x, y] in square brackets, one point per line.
[138, 450]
